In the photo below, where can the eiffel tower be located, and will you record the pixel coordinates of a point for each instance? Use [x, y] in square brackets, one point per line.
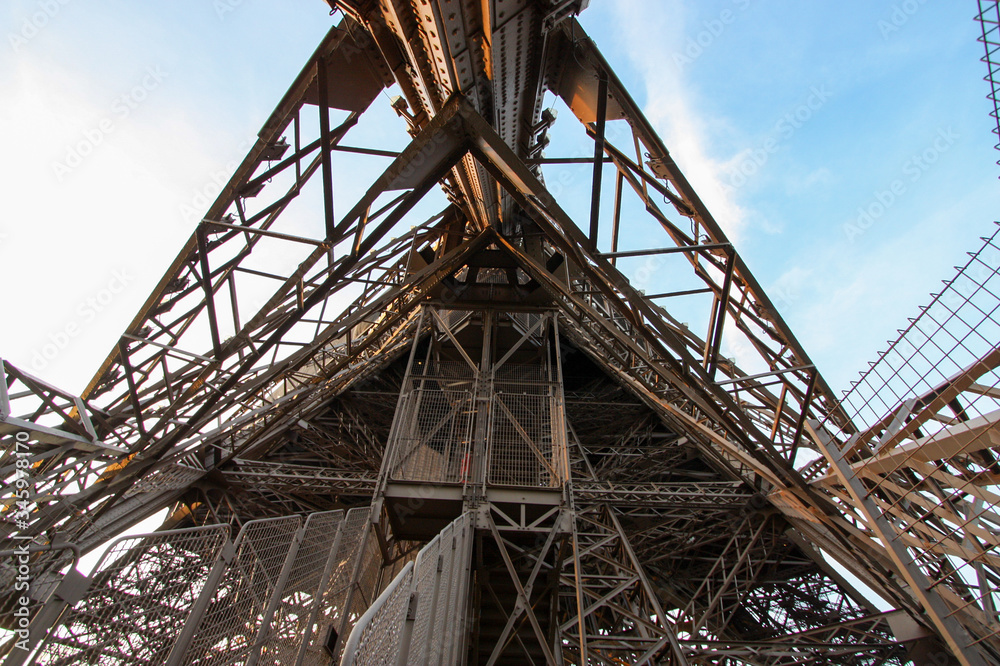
[469, 438]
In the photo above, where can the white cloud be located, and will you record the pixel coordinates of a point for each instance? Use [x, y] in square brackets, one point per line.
[653, 34]
[65, 237]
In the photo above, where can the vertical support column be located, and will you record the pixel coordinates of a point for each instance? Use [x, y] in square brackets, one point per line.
[206, 283]
[951, 630]
[482, 401]
[559, 413]
[595, 197]
[617, 219]
[357, 568]
[324, 149]
[389, 460]
[806, 402]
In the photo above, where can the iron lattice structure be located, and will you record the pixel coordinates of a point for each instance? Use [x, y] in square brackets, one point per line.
[469, 438]
[989, 21]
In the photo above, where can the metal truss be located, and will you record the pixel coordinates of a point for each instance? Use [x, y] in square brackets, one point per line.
[921, 476]
[633, 490]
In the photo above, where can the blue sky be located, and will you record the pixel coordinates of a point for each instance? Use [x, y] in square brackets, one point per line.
[792, 120]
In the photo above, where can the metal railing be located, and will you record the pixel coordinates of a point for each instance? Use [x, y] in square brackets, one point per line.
[420, 617]
[192, 596]
[989, 20]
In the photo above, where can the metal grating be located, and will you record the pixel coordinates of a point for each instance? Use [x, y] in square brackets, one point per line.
[334, 589]
[355, 552]
[431, 437]
[421, 613]
[230, 624]
[924, 463]
[989, 20]
[169, 477]
[141, 595]
[521, 430]
[302, 594]
[959, 327]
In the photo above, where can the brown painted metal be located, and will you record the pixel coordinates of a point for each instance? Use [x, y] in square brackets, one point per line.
[673, 525]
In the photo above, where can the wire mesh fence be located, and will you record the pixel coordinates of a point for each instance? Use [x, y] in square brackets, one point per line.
[191, 596]
[141, 595]
[330, 612]
[301, 594]
[227, 630]
[434, 424]
[521, 435]
[925, 451]
[420, 616]
[459, 423]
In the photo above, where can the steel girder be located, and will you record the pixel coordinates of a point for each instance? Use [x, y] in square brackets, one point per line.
[268, 350]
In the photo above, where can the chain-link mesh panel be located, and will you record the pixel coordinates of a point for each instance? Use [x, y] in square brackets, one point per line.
[337, 587]
[303, 591]
[227, 630]
[380, 638]
[433, 429]
[442, 583]
[139, 599]
[521, 428]
[365, 585]
[438, 581]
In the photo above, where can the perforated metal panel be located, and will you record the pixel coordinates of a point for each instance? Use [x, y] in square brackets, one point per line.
[435, 592]
[442, 643]
[380, 638]
[141, 596]
[427, 586]
[228, 628]
[434, 424]
[303, 592]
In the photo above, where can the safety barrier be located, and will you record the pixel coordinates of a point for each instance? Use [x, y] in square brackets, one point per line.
[420, 618]
[192, 596]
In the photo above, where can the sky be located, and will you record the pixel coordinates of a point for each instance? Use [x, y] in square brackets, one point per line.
[845, 147]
